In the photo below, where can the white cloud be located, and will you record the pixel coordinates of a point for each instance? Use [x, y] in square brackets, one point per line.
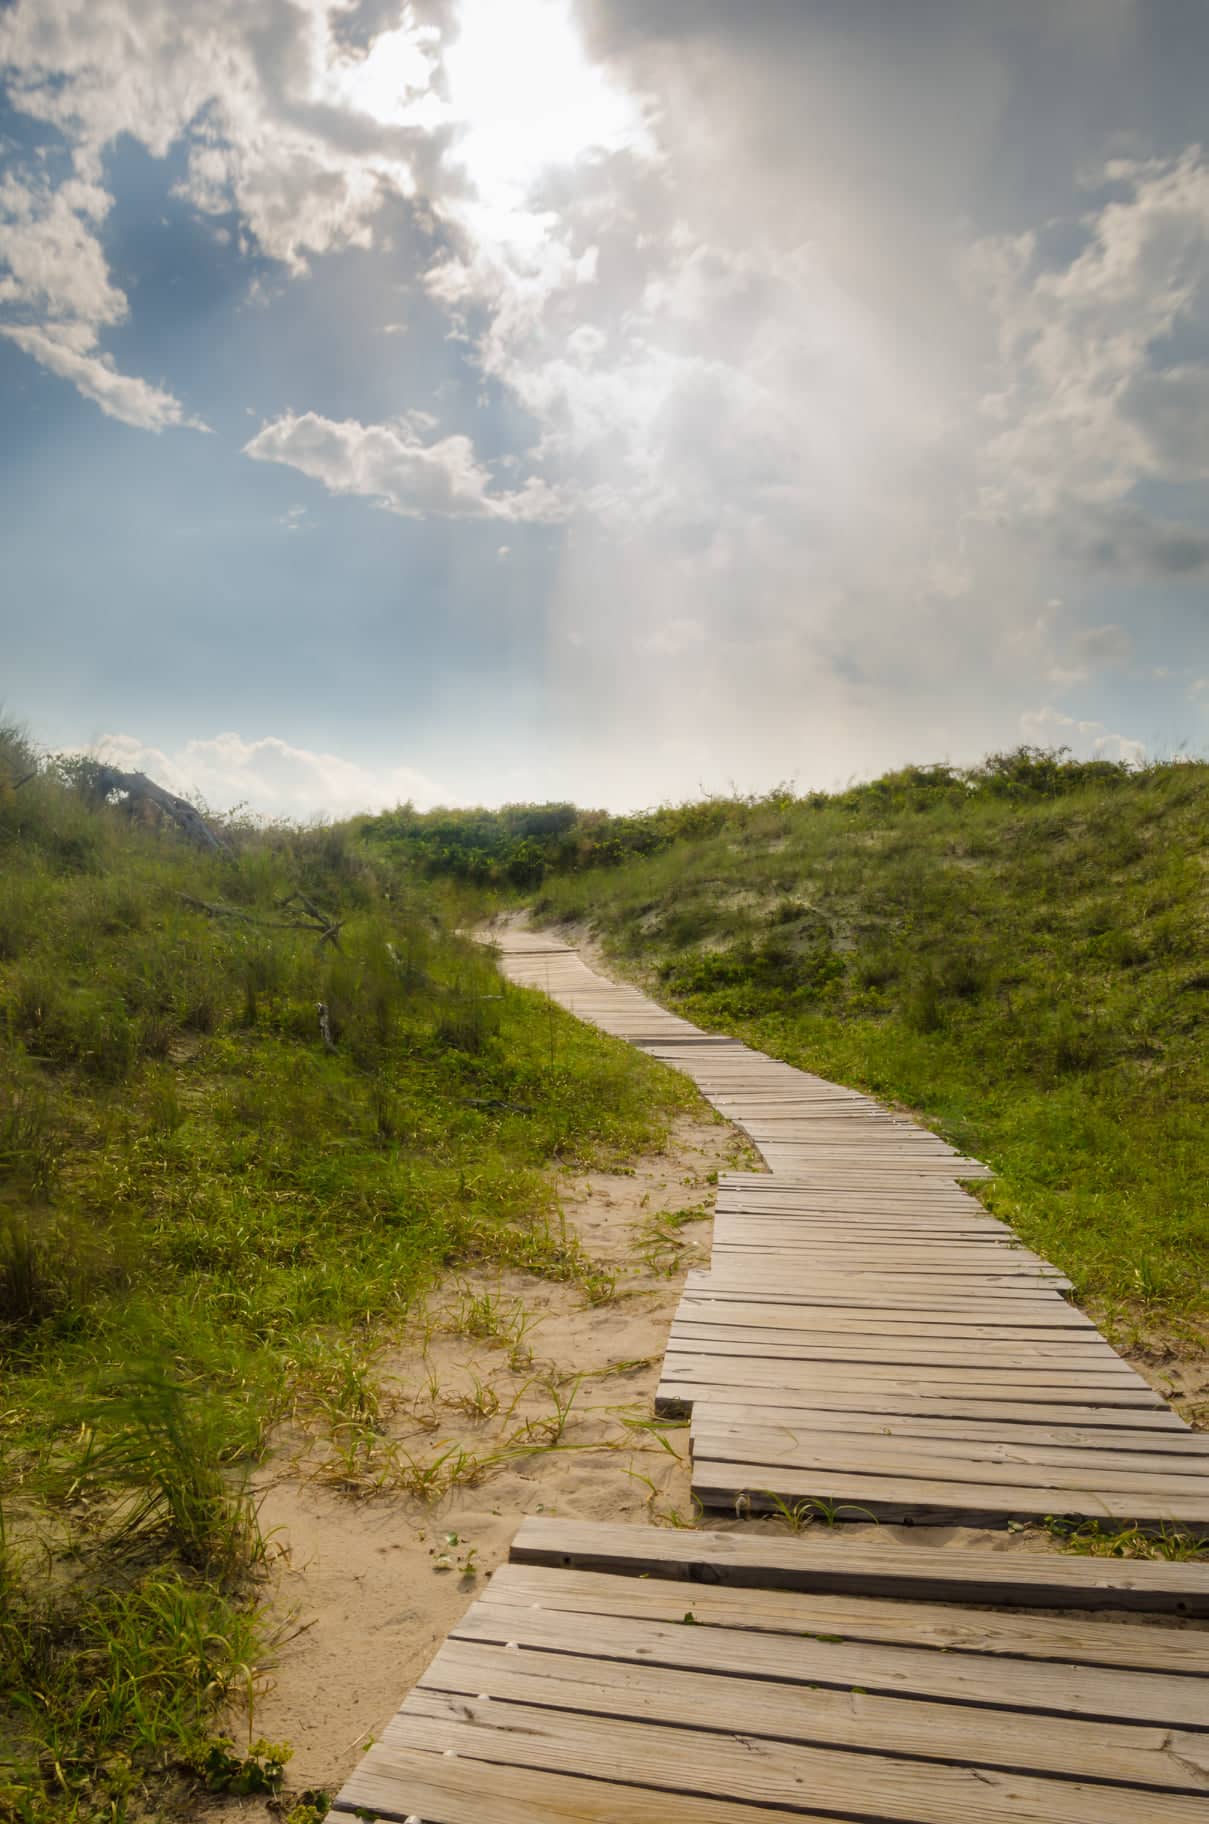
[1049, 727]
[122, 396]
[391, 464]
[278, 115]
[278, 119]
[1171, 409]
[52, 258]
[1081, 412]
[53, 268]
[270, 776]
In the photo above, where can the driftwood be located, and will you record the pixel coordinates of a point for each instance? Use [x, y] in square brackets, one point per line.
[326, 929]
[325, 924]
[141, 790]
[213, 911]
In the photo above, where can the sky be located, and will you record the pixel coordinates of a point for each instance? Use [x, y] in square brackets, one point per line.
[471, 401]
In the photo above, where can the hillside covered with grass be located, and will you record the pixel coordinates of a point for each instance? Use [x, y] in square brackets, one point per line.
[214, 1197]
[1019, 951]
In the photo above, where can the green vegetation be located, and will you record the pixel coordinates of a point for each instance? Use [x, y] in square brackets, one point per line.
[251, 1106]
[520, 845]
[1018, 952]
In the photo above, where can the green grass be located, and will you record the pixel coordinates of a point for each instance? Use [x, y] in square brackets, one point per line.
[208, 1214]
[1019, 954]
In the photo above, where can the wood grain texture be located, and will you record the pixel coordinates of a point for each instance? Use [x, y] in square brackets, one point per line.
[888, 1567]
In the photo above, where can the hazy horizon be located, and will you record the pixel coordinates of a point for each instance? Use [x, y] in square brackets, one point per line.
[474, 401]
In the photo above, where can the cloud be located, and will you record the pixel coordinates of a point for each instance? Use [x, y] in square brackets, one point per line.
[389, 463]
[1171, 409]
[1108, 645]
[1087, 650]
[271, 776]
[1087, 405]
[53, 268]
[1048, 727]
[305, 136]
[52, 257]
[122, 396]
[1125, 540]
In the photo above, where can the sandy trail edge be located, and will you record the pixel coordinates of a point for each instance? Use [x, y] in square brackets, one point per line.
[375, 1584]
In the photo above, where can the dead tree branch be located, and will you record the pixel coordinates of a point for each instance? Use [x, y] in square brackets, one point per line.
[325, 924]
[141, 790]
[327, 933]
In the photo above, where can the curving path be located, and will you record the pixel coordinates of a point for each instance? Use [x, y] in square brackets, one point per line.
[869, 1340]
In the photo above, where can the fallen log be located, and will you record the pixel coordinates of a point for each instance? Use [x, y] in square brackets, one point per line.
[327, 932]
[141, 790]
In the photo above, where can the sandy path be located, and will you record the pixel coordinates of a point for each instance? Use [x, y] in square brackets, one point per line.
[365, 1587]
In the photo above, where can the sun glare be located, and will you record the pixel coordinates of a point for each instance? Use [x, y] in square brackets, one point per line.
[391, 82]
[527, 97]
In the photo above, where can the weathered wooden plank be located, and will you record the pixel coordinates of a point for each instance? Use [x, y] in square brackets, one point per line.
[1046, 1309]
[778, 1774]
[732, 1273]
[1057, 1688]
[795, 1345]
[409, 1784]
[1063, 1408]
[1139, 1755]
[819, 1345]
[1080, 1473]
[719, 1482]
[831, 1284]
[1116, 1431]
[773, 1274]
[875, 1252]
[856, 1222]
[954, 1573]
[693, 1335]
[859, 1220]
[839, 1325]
[812, 1184]
[806, 1229]
[1085, 1640]
[1110, 1387]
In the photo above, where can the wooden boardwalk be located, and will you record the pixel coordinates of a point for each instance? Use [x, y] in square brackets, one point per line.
[866, 1337]
[624, 1675]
